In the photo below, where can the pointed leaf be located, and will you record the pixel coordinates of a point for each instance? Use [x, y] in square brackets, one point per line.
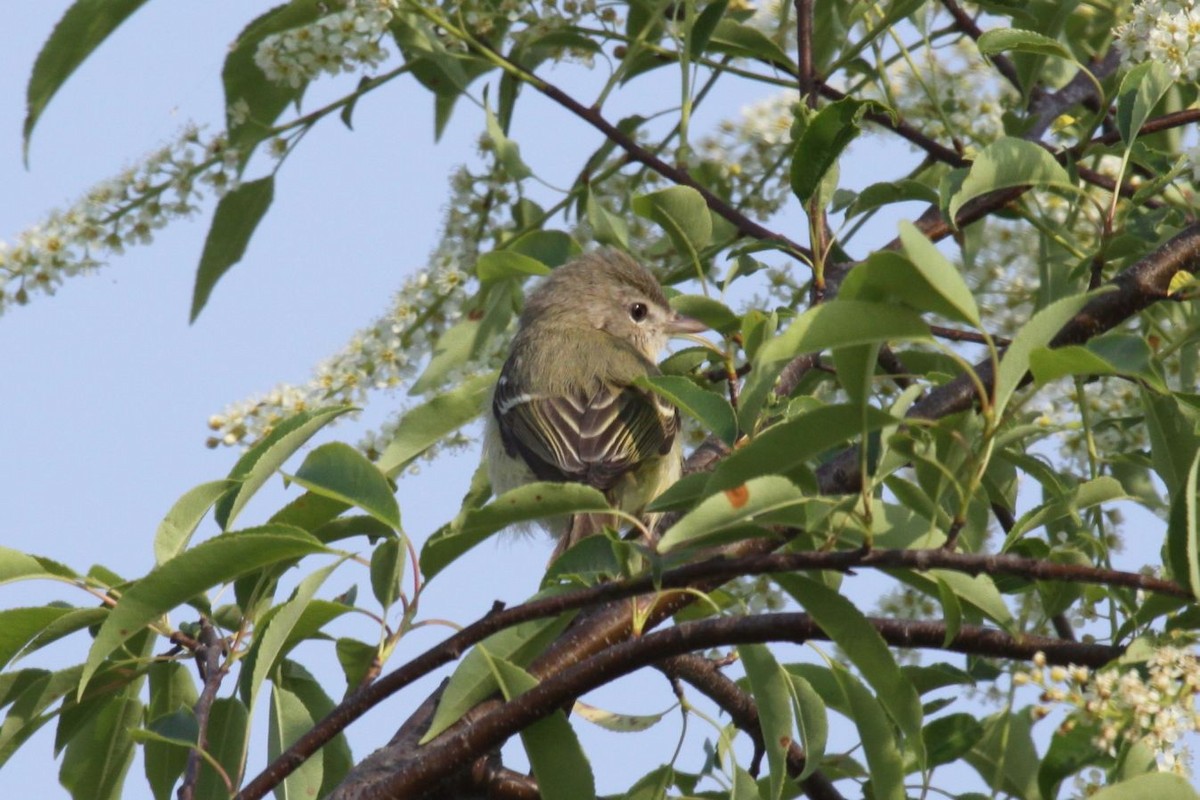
[1038, 332]
[288, 721]
[339, 471]
[942, 277]
[533, 501]
[228, 731]
[884, 762]
[190, 573]
[500, 264]
[81, 30]
[769, 685]
[558, 761]
[1006, 163]
[827, 134]
[1158, 785]
[238, 214]
[259, 463]
[425, 425]
[682, 213]
[866, 649]
[177, 527]
[1141, 89]
[99, 755]
[1021, 41]
[710, 409]
[811, 721]
[732, 507]
[615, 722]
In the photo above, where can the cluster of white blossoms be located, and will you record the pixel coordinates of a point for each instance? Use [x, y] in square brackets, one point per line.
[749, 150]
[950, 94]
[1165, 31]
[1153, 705]
[390, 351]
[122, 211]
[344, 41]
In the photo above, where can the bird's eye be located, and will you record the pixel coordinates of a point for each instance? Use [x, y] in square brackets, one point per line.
[638, 312]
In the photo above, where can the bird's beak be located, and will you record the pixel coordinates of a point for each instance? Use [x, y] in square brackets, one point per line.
[680, 324]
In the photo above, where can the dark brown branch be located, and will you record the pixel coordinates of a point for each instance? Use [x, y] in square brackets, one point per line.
[678, 175]
[209, 662]
[703, 674]
[1175, 119]
[956, 335]
[416, 771]
[612, 623]
[806, 76]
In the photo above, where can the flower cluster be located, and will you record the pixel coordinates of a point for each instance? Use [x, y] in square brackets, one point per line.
[124, 210]
[1165, 31]
[389, 351]
[1154, 705]
[952, 94]
[748, 151]
[343, 41]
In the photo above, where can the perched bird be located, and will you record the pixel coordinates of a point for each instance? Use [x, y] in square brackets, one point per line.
[565, 407]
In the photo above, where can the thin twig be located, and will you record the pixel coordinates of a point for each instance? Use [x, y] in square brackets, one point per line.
[210, 663]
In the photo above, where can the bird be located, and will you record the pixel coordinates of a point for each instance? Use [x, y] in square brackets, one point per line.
[565, 407]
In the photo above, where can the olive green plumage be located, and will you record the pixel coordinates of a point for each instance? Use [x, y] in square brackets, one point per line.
[565, 407]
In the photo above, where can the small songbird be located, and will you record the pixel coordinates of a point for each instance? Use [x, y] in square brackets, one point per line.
[565, 407]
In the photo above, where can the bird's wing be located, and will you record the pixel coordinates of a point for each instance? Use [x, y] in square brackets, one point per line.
[590, 438]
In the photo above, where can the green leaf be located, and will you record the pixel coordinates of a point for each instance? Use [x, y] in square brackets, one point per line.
[888, 192]
[1071, 749]
[884, 762]
[949, 738]
[453, 350]
[1005, 756]
[682, 213]
[866, 650]
[339, 471]
[427, 424]
[473, 680]
[607, 227]
[238, 214]
[558, 761]
[260, 462]
[85, 25]
[99, 755]
[1158, 785]
[228, 731]
[1038, 332]
[177, 527]
[710, 409]
[271, 644]
[19, 626]
[1021, 41]
[500, 264]
[827, 135]
[942, 277]
[33, 696]
[508, 153]
[713, 313]
[738, 39]
[770, 687]
[731, 508]
[172, 693]
[533, 501]
[785, 446]
[288, 721]
[615, 722]
[839, 323]
[1114, 354]
[1174, 439]
[1141, 89]
[811, 720]
[1006, 163]
[1183, 531]
[1089, 493]
[207, 564]
[387, 570]
[335, 755]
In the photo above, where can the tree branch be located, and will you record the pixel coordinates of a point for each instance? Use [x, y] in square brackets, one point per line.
[414, 772]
